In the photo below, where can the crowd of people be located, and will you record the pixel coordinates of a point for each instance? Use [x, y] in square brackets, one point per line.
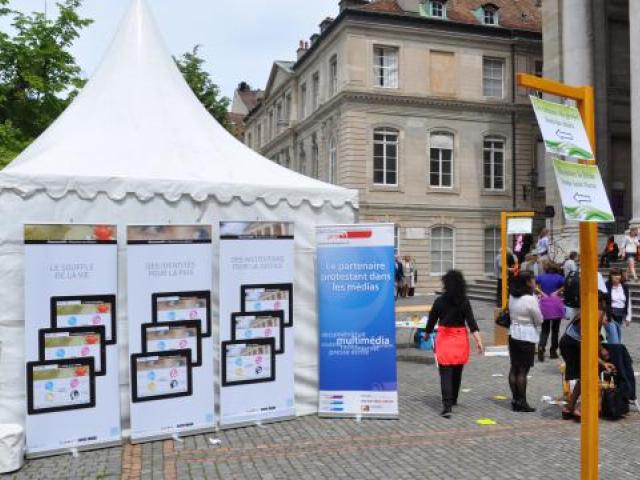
[542, 293]
[406, 276]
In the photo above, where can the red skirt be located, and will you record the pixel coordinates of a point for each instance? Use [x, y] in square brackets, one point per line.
[452, 346]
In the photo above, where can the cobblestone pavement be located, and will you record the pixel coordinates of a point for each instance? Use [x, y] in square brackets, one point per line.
[418, 445]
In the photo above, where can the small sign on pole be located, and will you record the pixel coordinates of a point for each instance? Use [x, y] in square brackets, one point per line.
[582, 192]
[562, 129]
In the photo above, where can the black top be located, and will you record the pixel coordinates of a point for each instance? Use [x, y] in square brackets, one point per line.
[447, 314]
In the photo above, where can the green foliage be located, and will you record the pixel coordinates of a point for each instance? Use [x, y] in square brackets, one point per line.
[38, 75]
[191, 66]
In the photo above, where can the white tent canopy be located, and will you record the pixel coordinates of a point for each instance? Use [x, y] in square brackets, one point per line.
[136, 146]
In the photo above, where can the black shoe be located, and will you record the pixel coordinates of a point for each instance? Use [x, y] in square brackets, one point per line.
[541, 354]
[526, 408]
[446, 412]
[553, 354]
[515, 406]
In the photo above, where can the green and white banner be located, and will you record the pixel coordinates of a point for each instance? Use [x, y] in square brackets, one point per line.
[582, 192]
[562, 129]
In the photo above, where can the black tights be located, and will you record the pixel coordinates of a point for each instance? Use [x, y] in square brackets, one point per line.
[553, 327]
[518, 383]
[450, 380]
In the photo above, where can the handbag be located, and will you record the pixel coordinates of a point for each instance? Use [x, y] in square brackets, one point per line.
[614, 404]
[503, 319]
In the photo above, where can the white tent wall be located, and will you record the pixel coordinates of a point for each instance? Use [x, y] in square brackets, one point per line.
[16, 210]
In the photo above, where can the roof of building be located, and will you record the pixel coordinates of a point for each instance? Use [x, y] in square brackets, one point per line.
[514, 14]
[250, 97]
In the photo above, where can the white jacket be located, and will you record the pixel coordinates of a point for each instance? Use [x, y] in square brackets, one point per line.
[526, 318]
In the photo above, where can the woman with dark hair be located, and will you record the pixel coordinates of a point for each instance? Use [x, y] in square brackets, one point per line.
[453, 314]
[619, 306]
[526, 319]
[611, 252]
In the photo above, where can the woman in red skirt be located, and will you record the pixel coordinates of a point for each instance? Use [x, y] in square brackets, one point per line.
[452, 312]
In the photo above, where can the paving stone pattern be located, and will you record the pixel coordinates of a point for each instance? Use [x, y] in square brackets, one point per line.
[418, 445]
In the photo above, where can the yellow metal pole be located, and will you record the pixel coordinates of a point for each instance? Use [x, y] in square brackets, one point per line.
[589, 320]
[503, 258]
[588, 286]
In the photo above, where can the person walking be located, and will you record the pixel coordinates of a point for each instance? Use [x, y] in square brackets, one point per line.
[542, 246]
[526, 320]
[399, 277]
[611, 252]
[570, 264]
[550, 287]
[630, 250]
[619, 303]
[453, 314]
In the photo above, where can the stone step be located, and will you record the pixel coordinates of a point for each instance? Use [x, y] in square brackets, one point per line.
[482, 289]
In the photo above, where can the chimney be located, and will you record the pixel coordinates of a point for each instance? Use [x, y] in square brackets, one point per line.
[314, 38]
[343, 4]
[302, 49]
[326, 23]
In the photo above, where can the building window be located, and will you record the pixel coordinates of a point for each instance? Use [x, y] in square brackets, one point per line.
[441, 160]
[493, 161]
[333, 75]
[280, 117]
[491, 247]
[333, 161]
[315, 156]
[437, 8]
[442, 250]
[286, 158]
[303, 101]
[249, 140]
[302, 159]
[287, 108]
[315, 91]
[490, 15]
[385, 156]
[385, 67]
[492, 77]
[259, 136]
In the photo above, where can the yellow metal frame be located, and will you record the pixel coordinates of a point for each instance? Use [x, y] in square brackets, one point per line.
[588, 284]
[504, 223]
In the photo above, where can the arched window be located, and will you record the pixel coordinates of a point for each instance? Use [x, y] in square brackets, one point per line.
[333, 161]
[493, 163]
[490, 15]
[442, 250]
[491, 247]
[385, 156]
[441, 160]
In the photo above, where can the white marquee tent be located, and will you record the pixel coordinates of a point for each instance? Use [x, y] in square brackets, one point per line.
[136, 146]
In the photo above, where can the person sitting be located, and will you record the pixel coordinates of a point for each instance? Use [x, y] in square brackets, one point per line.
[610, 254]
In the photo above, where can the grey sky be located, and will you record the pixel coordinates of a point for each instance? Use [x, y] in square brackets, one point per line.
[239, 38]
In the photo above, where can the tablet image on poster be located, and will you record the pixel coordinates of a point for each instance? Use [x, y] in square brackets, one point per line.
[248, 326]
[248, 361]
[77, 342]
[87, 310]
[183, 335]
[180, 306]
[161, 375]
[268, 297]
[58, 385]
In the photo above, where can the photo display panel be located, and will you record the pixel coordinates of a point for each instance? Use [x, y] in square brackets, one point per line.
[59, 385]
[169, 284]
[183, 335]
[70, 287]
[83, 311]
[76, 342]
[247, 326]
[161, 375]
[257, 353]
[180, 306]
[248, 361]
[269, 297]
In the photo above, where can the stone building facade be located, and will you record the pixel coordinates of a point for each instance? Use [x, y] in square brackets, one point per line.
[597, 42]
[414, 104]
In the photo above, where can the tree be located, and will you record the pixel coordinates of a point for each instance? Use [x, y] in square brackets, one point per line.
[38, 75]
[191, 66]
